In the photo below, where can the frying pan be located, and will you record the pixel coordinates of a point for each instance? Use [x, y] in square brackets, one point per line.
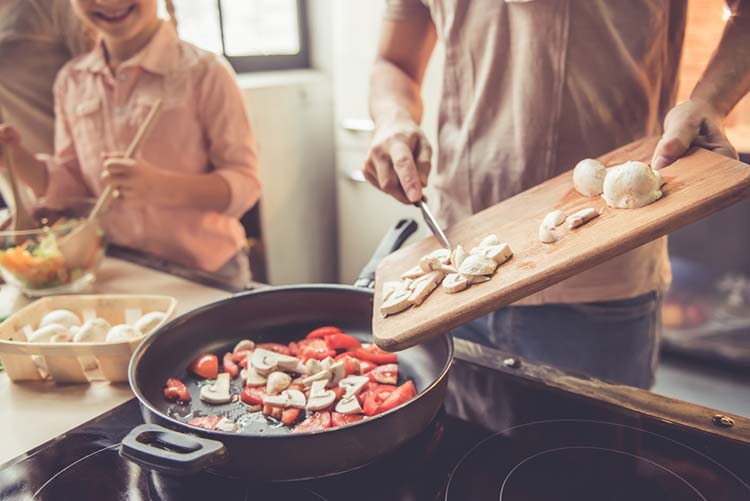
[263, 451]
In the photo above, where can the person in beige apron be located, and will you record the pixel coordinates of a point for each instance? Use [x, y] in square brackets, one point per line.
[529, 88]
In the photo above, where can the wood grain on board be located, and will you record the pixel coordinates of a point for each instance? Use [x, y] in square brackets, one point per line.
[697, 185]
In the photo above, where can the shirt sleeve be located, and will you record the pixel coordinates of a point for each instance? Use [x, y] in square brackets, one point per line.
[399, 10]
[64, 179]
[231, 146]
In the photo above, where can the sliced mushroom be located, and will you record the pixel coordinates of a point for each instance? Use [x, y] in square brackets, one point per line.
[545, 234]
[277, 382]
[396, 303]
[353, 385]
[326, 363]
[322, 375]
[446, 269]
[244, 345]
[458, 255]
[122, 332]
[320, 398]
[478, 264]
[251, 376]
[478, 279]
[148, 322]
[455, 283]
[434, 260]
[264, 361]
[45, 334]
[218, 392]
[288, 398]
[415, 272]
[348, 405]
[290, 364]
[554, 219]
[313, 366]
[421, 291]
[434, 276]
[392, 286]
[489, 241]
[581, 217]
[66, 318]
[226, 424]
[338, 371]
[498, 253]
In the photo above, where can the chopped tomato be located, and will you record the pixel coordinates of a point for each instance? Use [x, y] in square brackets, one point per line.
[240, 357]
[366, 366]
[338, 419]
[176, 391]
[339, 391]
[375, 355]
[273, 411]
[318, 421]
[289, 416]
[206, 422]
[321, 332]
[351, 364]
[205, 366]
[230, 366]
[275, 347]
[341, 341]
[385, 374]
[402, 394]
[253, 395]
[314, 348]
[293, 349]
[375, 397]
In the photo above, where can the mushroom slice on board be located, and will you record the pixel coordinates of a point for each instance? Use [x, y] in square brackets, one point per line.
[434, 276]
[545, 234]
[455, 283]
[421, 291]
[489, 241]
[498, 253]
[218, 392]
[392, 286]
[458, 255]
[478, 279]
[582, 217]
[320, 398]
[397, 303]
[415, 272]
[554, 219]
[434, 260]
[288, 398]
[478, 264]
[244, 345]
[277, 382]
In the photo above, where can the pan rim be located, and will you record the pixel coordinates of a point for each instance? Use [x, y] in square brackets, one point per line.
[150, 339]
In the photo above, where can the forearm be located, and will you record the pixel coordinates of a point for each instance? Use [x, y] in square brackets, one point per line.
[29, 169]
[394, 95]
[727, 77]
[208, 192]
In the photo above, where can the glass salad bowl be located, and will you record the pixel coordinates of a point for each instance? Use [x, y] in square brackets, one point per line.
[32, 261]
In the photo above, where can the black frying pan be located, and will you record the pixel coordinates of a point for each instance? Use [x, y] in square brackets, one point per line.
[262, 451]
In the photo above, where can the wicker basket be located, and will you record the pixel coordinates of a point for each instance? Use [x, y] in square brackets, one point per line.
[62, 362]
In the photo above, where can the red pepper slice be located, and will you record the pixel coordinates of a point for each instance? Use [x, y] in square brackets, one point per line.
[338, 419]
[341, 341]
[253, 395]
[176, 391]
[275, 347]
[293, 349]
[385, 374]
[321, 332]
[289, 416]
[205, 366]
[207, 422]
[240, 357]
[402, 394]
[230, 366]
[375, 355]
[351, 364]
[314, 348]
[318, 421]
[365, 366]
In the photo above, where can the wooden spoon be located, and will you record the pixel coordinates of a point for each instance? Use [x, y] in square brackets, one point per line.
[76, 247]
[21, 218]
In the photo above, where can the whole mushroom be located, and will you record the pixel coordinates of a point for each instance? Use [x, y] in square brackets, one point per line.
[588, 177]
[631, 185]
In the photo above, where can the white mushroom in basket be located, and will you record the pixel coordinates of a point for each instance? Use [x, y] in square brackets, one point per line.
[66, 318]
[320, 397]
[244, 345]
[122, 332]
[287, 398]
[148, 322]
[277, 382]
[92, 331]
[218, 392]
[46, 333]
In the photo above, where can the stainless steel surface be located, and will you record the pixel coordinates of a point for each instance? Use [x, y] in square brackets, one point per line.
[433, 225]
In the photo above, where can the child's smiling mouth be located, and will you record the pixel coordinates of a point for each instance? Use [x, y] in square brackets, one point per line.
[114, 16]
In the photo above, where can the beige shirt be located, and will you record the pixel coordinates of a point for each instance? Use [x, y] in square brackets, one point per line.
[530, 87]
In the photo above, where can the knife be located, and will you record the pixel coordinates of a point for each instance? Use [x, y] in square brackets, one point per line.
[433, 224]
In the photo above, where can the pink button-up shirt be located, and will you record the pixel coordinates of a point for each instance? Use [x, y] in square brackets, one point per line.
[202, 127]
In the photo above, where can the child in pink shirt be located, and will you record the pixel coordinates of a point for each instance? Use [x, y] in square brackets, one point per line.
[195, 172]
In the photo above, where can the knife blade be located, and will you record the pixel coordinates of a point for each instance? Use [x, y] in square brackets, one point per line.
[433, 224]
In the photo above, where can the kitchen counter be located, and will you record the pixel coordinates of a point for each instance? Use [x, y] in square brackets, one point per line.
[33, 412]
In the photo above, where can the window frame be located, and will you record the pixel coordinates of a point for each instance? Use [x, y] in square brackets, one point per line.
[277, 62]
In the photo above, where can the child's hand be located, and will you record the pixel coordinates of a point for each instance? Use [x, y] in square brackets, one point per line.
[135, 180]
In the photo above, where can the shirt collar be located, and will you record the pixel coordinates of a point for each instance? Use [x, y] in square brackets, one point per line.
[159, 56]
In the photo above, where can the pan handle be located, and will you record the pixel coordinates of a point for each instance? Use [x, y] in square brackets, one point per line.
[168, 451]
[393, 240]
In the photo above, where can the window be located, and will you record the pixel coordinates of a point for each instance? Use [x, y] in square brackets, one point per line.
[254, 35]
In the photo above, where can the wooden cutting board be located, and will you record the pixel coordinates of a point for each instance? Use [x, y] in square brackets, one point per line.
[697, 186]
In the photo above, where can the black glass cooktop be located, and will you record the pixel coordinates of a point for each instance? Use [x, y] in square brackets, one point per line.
[503, 435]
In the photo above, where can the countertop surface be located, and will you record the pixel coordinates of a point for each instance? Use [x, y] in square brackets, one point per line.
[33, 412]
